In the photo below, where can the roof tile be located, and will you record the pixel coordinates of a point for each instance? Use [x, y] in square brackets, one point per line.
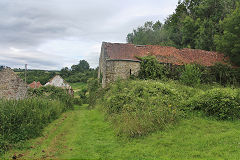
[120, 51]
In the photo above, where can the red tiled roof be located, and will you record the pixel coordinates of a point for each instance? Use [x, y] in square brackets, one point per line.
[164, 54]
[35, 84]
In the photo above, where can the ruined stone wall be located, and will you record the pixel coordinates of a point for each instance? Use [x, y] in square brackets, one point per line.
[102, 66]
[11, 85]
[110, 70]
[122, 69]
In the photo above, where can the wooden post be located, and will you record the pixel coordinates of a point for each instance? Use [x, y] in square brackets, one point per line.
[25, 73]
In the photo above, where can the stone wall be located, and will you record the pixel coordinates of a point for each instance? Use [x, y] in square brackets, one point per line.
[102, 66]
[11, 85]
[110, 70]
[122, 69]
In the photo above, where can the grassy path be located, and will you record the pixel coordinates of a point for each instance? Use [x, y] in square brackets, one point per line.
[83, 134]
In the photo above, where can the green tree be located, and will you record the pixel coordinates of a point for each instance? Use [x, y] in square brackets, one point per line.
[193, 25]
[82, 66]
[150, 33]
[65, 72]
[229, 41]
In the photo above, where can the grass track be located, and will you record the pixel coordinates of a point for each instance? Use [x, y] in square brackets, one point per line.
[84, 134]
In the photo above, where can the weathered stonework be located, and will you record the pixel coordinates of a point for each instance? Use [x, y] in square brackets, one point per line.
[120, 69]
[11, 85]
[112, 69]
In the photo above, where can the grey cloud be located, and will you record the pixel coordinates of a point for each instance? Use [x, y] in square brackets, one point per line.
[17, 58]
[29, 24]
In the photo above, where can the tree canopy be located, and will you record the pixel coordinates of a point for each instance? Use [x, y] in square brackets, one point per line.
[229, 41]
[196, 24]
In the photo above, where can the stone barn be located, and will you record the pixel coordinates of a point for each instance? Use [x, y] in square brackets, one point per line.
[11, 85]
[58, 81]
[119, 60]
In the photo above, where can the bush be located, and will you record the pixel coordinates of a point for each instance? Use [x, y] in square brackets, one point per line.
[56, 93]
[83, 95]
[151, 69]
[223, 103]
[191, 75]
[78, 101]
[93, 87]
[225, 74]
[25, 119]
[137, 108]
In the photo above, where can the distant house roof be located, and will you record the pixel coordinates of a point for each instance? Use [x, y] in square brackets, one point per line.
[35, 85]
[164, 54]
[58, 81]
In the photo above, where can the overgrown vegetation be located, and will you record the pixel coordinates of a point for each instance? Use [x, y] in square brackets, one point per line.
[223, 103]
[52, 92]
[24, 119]
[190, 74]
[137, 108]
[151, 69]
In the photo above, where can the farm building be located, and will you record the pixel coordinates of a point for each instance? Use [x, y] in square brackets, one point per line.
[118, 60]
[35, 85]
[58, 81]
[11, 85]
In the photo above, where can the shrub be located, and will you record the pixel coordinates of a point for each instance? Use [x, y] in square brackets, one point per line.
[225, 74]
[92, 86]
[25, 119]
[191, 75]
[83, 95]
[140, 107]
[223, 103]
[150, 68]
[78, 101]
[56, 93]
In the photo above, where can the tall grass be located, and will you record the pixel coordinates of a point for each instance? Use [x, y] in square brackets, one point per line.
[137, 108]
[24, 119]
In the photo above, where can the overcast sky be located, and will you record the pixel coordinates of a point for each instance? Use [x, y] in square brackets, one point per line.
[51, 34]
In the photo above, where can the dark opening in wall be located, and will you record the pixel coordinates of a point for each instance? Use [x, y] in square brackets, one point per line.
[130, 72]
